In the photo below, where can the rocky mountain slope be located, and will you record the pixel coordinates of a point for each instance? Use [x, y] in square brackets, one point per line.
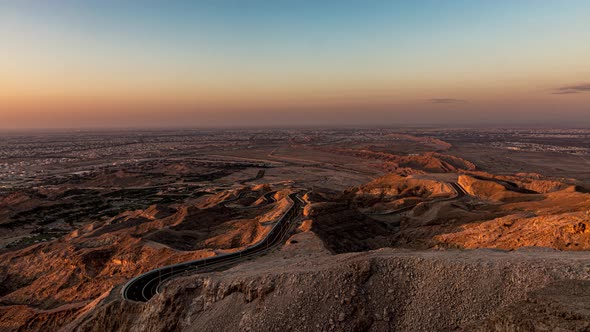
[383, 290]
[50, 283]
[352, 265]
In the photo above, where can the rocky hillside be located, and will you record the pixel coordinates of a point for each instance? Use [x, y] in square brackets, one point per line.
[433, 162]
[384, 290]
[493, 189]
[353, 265]
[50, 283]
[393, 191]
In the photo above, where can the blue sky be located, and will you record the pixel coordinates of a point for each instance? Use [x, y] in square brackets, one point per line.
[235, 56]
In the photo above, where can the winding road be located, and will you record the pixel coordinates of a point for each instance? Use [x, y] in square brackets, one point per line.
[145, 286]
[460, 192]
[458, 189]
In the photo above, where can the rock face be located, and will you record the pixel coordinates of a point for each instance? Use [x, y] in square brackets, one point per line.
[565, 232]
[393, 187]
[486, 189]
[48, 284]
[559, 219]
[384, 290]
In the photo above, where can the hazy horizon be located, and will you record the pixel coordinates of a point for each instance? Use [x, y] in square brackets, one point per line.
[108, 64]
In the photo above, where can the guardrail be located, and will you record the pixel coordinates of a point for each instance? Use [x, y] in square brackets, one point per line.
[144, 286]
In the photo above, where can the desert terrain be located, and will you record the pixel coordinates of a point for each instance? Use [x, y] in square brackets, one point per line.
[323, 229]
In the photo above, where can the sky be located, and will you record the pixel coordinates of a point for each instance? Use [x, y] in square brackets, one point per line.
[221, 63]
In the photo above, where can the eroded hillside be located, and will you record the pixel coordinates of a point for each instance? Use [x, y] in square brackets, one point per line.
[391, 232]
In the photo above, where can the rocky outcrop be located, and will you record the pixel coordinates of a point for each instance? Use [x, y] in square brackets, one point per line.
[569, 231]
[393, 191]
[45, 286]
[490, 189]
[384, 290]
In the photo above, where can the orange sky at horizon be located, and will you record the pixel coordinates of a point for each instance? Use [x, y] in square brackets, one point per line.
[111, 64]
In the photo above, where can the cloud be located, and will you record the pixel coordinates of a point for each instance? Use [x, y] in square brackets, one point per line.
[570, 89]
[446, 101]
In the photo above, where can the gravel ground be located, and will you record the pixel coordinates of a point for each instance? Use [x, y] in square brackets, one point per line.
[382, 290]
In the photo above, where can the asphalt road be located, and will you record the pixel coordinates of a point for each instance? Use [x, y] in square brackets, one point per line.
[455, 186]
[460, 191]
[145, 286]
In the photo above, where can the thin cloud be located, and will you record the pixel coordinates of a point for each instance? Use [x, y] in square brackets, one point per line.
[446, 101]
[571, 89]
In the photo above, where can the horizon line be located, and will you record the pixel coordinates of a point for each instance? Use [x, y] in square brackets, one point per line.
[291, 127]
